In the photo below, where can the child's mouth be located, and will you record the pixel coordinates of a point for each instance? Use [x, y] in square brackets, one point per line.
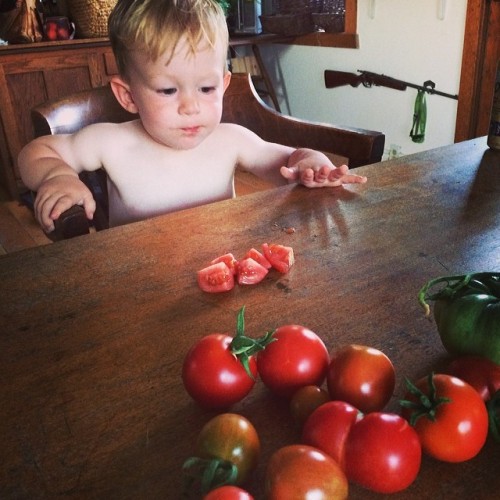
[191, 130]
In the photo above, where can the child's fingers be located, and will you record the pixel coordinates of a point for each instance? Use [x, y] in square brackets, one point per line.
[289, 173]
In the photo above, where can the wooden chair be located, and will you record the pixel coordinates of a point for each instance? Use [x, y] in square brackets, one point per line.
[242, 105]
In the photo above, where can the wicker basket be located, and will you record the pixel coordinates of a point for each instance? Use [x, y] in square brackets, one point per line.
[288, 24]
[90, 17]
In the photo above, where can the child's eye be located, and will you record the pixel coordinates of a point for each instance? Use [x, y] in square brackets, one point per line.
[167, 91]
[207, 90]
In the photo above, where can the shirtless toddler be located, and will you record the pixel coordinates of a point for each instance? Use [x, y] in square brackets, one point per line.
[171, 56]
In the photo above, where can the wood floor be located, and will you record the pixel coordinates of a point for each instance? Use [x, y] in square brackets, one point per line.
[19, 230]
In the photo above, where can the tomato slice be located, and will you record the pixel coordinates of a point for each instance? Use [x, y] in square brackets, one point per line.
[216, 278]
[258, 257]
[280, 256]
[250, 272]
[228, 259]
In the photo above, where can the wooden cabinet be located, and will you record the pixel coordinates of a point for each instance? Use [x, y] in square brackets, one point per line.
[31, 74]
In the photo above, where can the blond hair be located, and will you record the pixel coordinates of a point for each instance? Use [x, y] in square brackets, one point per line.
[156, 26]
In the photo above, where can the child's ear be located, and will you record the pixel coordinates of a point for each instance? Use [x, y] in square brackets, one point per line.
[122, 93]
[227, 80]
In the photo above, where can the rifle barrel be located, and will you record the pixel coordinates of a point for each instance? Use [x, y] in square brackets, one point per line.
[378, 79]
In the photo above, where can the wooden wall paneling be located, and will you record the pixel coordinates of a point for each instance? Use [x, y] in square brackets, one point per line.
[480, 55]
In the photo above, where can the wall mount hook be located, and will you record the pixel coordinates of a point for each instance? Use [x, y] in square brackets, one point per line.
[371, 9]
[441, 10]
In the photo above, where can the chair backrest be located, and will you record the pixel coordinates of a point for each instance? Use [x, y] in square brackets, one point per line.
[242, 105]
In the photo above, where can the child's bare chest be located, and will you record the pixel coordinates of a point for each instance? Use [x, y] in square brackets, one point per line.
[146, 183]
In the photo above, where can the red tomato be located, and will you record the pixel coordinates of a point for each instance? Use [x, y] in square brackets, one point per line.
[213, 376]
[306, 400]
[328, 427]
[230, 437]
[482, 373]
[458, 429]
[216, 278]
[228, 492]
[250, 272]
[296, 358]
[362, 376]
[382, 453]
[258, 257]
[298, 472]
[280, 257]
[229, 260]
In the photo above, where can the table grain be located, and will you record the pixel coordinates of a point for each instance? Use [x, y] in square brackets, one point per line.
[93, 331]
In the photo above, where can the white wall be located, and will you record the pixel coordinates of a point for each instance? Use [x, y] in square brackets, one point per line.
[405, 40]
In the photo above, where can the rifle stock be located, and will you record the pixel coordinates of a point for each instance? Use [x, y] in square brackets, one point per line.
[334, 79]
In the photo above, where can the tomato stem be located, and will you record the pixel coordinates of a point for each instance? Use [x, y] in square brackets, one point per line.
[427, 405]
[450, 288]
[205, 474]
[485, 282]
[244, 347]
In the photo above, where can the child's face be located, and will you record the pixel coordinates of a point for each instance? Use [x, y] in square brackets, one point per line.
[179, 100]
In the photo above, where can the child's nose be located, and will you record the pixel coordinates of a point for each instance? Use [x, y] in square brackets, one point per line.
[189, 104]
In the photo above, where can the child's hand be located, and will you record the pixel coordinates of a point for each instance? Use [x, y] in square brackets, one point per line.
[58, 194]
[314, 169]
[324, 176]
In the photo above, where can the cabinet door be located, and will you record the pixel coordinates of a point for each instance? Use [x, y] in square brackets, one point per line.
[30, 79]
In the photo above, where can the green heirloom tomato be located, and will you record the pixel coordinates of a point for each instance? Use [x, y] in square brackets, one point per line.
[467, 313]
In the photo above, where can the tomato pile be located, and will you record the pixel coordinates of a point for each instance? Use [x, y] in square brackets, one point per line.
[346, 436]
[225, 270]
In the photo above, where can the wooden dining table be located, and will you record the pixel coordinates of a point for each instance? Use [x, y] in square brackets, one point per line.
[94, 330]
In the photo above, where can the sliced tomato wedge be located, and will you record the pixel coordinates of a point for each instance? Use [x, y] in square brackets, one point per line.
[258, 257]
[216, 278]
[228, 259]
[250, 272]
[280, 256]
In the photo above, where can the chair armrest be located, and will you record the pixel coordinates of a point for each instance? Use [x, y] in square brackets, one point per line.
[244, 106]
[73, 222]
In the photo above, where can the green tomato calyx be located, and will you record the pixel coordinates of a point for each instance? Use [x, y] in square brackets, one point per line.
[427, 404]
[206, 474]
[485, 283]
[244, 347]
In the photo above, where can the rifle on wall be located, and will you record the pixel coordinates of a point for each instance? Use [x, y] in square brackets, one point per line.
[368, 79]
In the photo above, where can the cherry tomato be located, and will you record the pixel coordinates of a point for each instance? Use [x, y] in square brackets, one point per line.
[328, 427]
[296, 358]
[362, 376]
[228, 492]
[213, 376]
[382, 453]
[482, 373]
[216, 278]
[296, 472]
[228, 259]
[306, 400]
[280, 256]
[250, 272]
[258, 257]
[458, 427]
[230, 437]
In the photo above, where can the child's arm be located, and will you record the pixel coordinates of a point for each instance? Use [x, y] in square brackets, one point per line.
[314, 169]
[279, 164]
[57, 185]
